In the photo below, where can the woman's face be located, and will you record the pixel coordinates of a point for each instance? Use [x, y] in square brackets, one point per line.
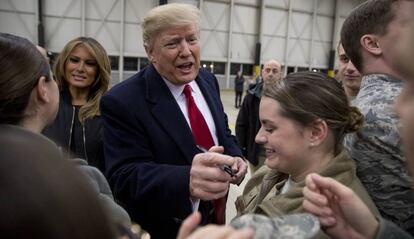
[284, 141]
[80, 68]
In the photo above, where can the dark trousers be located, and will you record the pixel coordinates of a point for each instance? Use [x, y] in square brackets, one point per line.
[238, 99]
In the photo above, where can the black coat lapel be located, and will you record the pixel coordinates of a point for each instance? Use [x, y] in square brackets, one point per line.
[168, 114]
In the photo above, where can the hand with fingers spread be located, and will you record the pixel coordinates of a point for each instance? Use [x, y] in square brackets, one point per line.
[207, 180]
[341, 212]
[188, 230]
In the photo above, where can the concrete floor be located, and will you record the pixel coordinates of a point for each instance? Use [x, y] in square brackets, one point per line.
[227, 97]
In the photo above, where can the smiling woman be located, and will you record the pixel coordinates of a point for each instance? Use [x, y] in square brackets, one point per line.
[82, 71]
[304, 119]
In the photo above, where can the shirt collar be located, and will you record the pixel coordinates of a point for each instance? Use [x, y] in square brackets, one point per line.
[177, 90]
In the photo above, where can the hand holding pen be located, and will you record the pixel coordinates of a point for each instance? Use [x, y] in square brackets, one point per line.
[224, 167]
[207, 180]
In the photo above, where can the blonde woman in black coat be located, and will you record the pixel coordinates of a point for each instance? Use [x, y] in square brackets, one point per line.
[82, 72]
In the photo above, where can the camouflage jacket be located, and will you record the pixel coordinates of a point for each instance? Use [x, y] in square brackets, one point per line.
[376, 148]
[388, 230]
[262, 193]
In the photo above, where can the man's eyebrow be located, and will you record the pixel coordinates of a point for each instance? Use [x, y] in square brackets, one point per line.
[170, 37]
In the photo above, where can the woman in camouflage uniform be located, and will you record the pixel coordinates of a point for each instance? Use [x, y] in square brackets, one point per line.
[304, 120]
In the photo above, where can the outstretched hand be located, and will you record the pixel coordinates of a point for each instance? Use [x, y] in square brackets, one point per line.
[341, 212]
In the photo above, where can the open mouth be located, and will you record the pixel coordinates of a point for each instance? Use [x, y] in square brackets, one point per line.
[269, 151]
[78, 77]
[186, 67]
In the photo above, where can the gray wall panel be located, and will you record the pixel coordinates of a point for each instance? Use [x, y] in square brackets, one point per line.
[304, 41]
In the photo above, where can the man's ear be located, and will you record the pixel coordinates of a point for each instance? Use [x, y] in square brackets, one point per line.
[370, 43]
[150, 53]
[42, 90]
[318, 132]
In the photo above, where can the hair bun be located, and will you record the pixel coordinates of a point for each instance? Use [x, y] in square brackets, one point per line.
[355, 121]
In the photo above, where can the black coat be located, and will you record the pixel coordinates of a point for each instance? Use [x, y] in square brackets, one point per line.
[239, 84]
[88, 136]
[149, 148]
[248, 124]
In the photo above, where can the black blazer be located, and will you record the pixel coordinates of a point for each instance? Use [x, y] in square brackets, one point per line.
[149, 148]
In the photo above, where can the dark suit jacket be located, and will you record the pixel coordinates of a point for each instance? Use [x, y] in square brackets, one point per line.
[149, 148]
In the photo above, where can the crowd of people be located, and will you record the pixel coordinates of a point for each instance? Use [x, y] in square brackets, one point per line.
[81, 160]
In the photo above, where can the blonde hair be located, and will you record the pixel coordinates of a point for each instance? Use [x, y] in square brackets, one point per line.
[103, 78]
[166, 16]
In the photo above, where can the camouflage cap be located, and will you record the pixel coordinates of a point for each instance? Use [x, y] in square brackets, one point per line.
[293, 226]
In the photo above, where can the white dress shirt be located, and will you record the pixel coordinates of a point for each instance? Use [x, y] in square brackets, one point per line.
[177, 92]
[179, 96]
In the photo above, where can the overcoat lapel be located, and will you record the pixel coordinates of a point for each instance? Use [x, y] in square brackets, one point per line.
[168, 114]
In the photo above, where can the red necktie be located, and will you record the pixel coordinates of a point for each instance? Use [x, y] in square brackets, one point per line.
[202, 136]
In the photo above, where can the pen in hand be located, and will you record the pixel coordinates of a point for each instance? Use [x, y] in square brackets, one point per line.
[225, 168]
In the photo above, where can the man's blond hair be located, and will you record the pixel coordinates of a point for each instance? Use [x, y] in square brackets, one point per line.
[165, 16]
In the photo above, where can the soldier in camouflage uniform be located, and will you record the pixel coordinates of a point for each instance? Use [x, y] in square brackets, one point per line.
[377, 150]
[377, 146]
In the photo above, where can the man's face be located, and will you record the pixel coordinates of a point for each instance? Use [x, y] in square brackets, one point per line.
[347, 73]
[397, 43]
[175, 54]
[271, 72]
